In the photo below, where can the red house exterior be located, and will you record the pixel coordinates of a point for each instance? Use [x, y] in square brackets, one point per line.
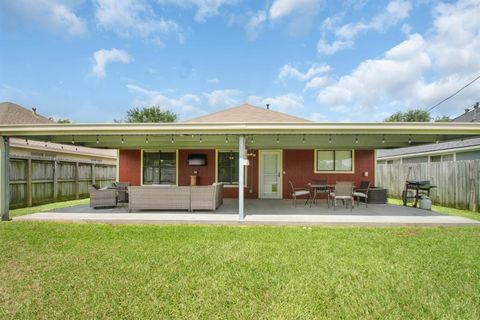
[297, 164]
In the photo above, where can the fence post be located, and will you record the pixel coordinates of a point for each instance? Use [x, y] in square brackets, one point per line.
[77, 180]
[93, 173]
[55, 180]
[29, 183]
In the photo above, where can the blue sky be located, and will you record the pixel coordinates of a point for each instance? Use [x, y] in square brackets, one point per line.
[92, 60]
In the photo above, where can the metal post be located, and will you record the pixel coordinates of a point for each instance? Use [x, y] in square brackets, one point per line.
[241, 163]
[55, 180]
[29, 183]
[93, 174]
[77, 180]
[4, 179]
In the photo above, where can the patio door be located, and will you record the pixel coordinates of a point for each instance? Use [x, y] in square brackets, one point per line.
[270, 175]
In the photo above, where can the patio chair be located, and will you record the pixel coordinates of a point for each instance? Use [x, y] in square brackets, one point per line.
[298, 192]
[343, 191]
[105, 197]
[122, 190]
[323, 189]
[362, 192]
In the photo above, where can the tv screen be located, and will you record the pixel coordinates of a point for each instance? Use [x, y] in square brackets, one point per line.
[197, 159]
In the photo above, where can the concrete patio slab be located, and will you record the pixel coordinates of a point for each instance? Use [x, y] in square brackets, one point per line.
[261, 212]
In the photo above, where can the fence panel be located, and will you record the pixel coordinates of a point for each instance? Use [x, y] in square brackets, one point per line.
[457, 181]
[69, 180]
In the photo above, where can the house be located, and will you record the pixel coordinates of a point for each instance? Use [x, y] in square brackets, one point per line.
[14, 114]
[256, 152]
[463, 149]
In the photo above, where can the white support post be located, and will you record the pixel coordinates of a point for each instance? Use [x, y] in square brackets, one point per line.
[241, 163]
[4, 179]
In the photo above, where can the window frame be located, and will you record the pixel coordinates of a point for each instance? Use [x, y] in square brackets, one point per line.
[159, 150]
[245, 175]
[315, 168]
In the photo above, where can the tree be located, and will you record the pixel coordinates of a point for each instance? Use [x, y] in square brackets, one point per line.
[413, 115]
[63, 121]
[443, 119]
[149, 114]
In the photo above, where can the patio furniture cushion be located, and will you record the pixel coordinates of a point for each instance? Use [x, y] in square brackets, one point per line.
[102, 198]
[359, 194]
[301, 192]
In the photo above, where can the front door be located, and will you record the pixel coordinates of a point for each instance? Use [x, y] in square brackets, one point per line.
[270, 174]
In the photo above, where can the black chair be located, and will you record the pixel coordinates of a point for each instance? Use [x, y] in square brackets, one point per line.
[362, 192]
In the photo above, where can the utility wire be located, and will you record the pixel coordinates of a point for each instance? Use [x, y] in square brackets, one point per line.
[453, 95]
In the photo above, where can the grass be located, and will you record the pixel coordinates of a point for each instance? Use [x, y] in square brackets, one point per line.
[99, 271]
[47, 207]
[445, 210]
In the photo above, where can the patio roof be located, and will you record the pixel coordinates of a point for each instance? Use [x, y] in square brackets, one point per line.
[288, 134]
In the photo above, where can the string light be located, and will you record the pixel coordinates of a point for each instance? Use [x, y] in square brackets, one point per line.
[26, 140]
[330, 138]
[201, 141]
[410, 139]
[303, 139]
[251, 139]
[98, 141]
[356, 138]
[278, 139]
[146, 139]
[226, 139]
[73, 139]
[123, 140]
[437, 141]
[383, 138]
[173, 140]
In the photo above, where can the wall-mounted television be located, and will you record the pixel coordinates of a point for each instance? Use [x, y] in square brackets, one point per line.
[197, 159]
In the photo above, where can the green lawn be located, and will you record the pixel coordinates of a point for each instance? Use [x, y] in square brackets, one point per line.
[95, 271]
[47, 207]
[450, 211]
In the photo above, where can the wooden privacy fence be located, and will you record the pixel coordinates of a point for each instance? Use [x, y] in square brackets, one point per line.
[457, 181]
[38, 181]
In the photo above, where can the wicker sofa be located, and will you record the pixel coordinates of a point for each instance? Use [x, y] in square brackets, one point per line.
[175, 198]
[105, 197]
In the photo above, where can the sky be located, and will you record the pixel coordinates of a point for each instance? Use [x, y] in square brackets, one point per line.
[337, 61]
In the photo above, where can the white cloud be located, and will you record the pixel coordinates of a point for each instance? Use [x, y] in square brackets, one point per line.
[255, 24]
[134, 18]
[185, 105]
[288, 71]
[225, 97]
[55, 14]
[344, 36]
[283, 8]
[103, 57]
[205, 8]
[213, 81]
[284, 103]
[316, 83]
[402, 77]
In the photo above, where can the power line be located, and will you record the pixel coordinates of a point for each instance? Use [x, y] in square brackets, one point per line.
[453, 95]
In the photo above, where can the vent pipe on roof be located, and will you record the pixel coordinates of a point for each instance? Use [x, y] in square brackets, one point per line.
[268, 106]
[475, 112]
[34, 111]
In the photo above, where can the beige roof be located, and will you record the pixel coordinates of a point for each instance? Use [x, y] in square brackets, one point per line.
[11, 113]
[247, 113]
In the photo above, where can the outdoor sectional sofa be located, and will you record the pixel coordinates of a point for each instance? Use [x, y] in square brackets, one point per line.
[163, 197]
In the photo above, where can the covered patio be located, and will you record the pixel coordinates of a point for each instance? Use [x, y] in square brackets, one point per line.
[260, 212]
[261, 150]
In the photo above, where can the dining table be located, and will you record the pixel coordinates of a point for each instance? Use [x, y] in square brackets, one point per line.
[321, 186]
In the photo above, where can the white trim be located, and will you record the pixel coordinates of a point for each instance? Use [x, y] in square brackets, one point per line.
[159, 150]
[118, 165]
[260, 173]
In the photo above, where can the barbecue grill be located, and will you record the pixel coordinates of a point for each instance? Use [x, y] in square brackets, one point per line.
[419, 187]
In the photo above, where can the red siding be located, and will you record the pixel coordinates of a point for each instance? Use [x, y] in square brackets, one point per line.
[206, 174]
[129, 163]
[298, 166]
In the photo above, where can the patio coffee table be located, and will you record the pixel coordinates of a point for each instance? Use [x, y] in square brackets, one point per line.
[315, 187]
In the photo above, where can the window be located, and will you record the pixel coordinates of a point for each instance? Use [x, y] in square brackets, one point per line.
[159, 167]
[334, 160]
[228, 167]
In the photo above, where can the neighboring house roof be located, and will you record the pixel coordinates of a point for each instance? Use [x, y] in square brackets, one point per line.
[11, 113]
[62, 148]
[429, 148]
[247, 113]
[470, 115]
